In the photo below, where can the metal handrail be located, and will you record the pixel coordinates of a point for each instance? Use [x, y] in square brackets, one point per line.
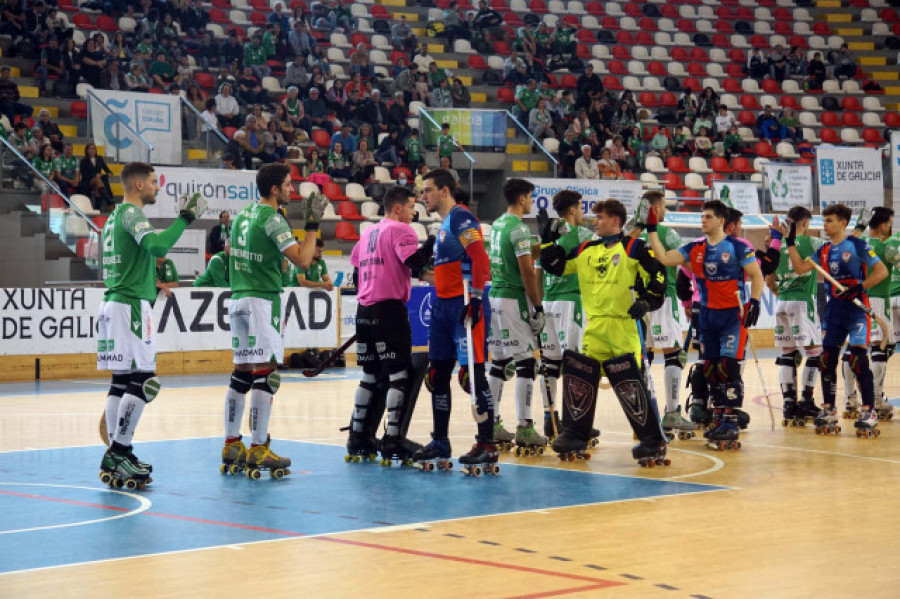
[51, 185]
[464, 153]
[534, 141]
[119, 123]
[212, 126]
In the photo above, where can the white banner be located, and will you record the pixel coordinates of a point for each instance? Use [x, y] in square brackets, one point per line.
[742, 195]
[627, 192]
[63, 320]
[789, 185]
[156, 117]
[223, 189]
[189, 253]
[895, 165]
[850, 176]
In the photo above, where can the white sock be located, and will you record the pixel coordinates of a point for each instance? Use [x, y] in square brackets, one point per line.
[260, 410]
[112, 415]
[879, 369]
[810, 376]
[523, 399]
[495, 384]
[672, 379]
[127, 418]
[234, 412]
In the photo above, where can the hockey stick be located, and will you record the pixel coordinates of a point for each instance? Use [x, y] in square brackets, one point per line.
[470, 356]
[543, 370]
[101, 428]
[762, 381]
[311, 372]
[881, 322]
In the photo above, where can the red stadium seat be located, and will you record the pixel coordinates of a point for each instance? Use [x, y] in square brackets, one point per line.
[321, 138]
[850, 103]
[538, 6]
[764, 149]
[595, 9]
[724, 13]
[673, 181]
[258, 18]
[107, 23]
[656, 68]
[889, 15]
[83, 22]
[647, 24]
[621, 52]
[721, 41]
[609, 23]
[668, 100]
[737, 55]
[724, 27]
[798, 40]
[750, 102]
[759, 41]
[334, 192]
[686, 26]
[582, 51]
[569, 81]
[629, 176]
[633, 10]
[669, 11]
[871, 135]
[476, 61]
[379, 12]
[782, 14]
[850, 119]
[830, 119]
[217, 15]
[648, 100]
[743, 13]
[735, 70]
[676, 165]
[770, 86]
[348, 211]
[698, 54]
[624, 37]
[499, 5]
[68, 5]
[680, 54]
[644, 38]
[789, 101]
[822, 28]
[612, 83]
[892, 119]
[617, 67]
[346, 231]
[295, 174]
[505, 94]
[78, 109]
[205, 80]
[742, 166]
[830, 136]
[501, 48]
[358, 38]
[720, 165]
[695, 69]
[229, 131]
[732, 86]
[691, 82]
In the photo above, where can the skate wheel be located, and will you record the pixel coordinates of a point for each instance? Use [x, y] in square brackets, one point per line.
[130, 484]
[495, 469]
[254, 474]
[357, 459]
[348, 458]
[476, 471]
[116, 483]
[448, 465]
[571, 457]
[222, 469]
[666, 462]
[585, 456]
[540, 451]
[837, 429]
[105, 478]
[408, 462]
[278, 474]
[594, 443]
[784, 422]
[429, 467]
[877, 432]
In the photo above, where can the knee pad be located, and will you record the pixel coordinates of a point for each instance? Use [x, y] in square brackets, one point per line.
[144, 385]
[786, 360]
[729, 370]
[812, 353]
[266, 380]
[503, 369]
[675, 358]
[525, 368]
[828, 360]
[119, 384]
[241, 381]
[889, 350]
[709, 371]
[552, 368]
[398, 379]
[440, 373]
[462, 376]
[859, 361]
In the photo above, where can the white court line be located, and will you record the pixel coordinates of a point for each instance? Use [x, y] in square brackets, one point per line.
[145, 505]
[823, 452]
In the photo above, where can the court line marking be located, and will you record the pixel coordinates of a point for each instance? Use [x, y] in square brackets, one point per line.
[824, 452]
[145, 505]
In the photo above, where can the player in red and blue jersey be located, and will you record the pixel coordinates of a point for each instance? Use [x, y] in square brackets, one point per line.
[854, 265]
[719, 263]
[459, 254]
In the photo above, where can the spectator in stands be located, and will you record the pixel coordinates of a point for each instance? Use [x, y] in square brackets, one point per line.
[586, 167]
[209, 119]
[618, 151]
[405, 81]
[232, 155]
[540, 123]
[274, 141]
[704, 120]
[219, 234]
[299, 15]
[797, 64]
[50, 130]
[232, 51]
[389, 149]
[58, 24]
[293, 107]
[660, 144]
[44, 164]
[790, 125]
[316, 111]
[767, 125]
[402, 37]
[422, 58]
[314, 169]
[119, 49]
[607, 167]
[208, 54]
[340, 15]
[255, 56]
[564, 40]
[414, 150]
[680, 143]
[249, 89]
[39, 140]
[778, 63]
[301, 39]
[148, 25]
[280, 18]
[363, 163]
[136, 80]
[361, 63]
[66, 174]
[437, 74]
[816, 72]
[687, 107]
[724, 121]
[588, 83]
[460, 95]
[844, 64]
[14, 20]
[440, 96]
[93, 61]
[398, 113]
[447, 166]
[161, 72]
[51, 63]
[338, 163]
[345, 138]
[702, 143]
[295, 75]
[143, 51]
[377, 113]
[733, 143]
[253, 143]
[71, 62]
[454, 24]
[544, 39]
[757, 65]
[9, 97]
[354, 111]
[94, 175]
[227, 107]
[113, 78]
[708, 102]
[285, 124]
[514, 70]
[488, 22]
[568, 153]
[624, 118]
[526, 100]
[525, 40]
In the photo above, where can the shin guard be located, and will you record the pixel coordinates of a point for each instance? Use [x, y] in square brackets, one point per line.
[631, 390]
[580, 381]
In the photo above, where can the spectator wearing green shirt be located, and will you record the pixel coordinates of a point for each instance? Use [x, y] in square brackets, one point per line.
[162, 73]
[216, 273]
[544, 39]
[66, 174]
[45, 163]
[166, 275]
[564, 42]
[526, 100]
[437, 74]
[414, 150]
[661, 144]
[525, 40]
[316, 276]
[733, 142]
[255, 56]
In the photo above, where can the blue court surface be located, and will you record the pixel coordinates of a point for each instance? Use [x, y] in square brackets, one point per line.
[54, 511]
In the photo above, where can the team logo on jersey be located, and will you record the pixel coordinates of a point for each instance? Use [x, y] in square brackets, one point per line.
[603, 266]
[846, 256]
[711, 268]
[726, 257]
[834, 267]
[615, 259]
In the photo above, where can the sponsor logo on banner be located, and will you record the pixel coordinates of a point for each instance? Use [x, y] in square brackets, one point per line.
[789, 185]
[228, 191]
[592, 191]
[850, 176]
[155, 118]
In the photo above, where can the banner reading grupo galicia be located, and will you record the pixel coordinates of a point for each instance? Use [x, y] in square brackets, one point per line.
[789, 185]
[155, 117]
[850, 176]
[592, 191]
[473, 128]
[224, 189]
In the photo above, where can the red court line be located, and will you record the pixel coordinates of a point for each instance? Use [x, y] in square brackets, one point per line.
[275, 531]
[593, 587]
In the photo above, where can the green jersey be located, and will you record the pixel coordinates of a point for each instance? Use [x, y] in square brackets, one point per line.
[413, 149]
[889, 253]
[254, 55]
[166, 272]
[268, 44]
[259, 235]
[316, 271]
[510, 239]
[446, 145]
[564, 35]
[129, 270]
[216, 273]
[670, 240]
[566, 287]
[289, 276]
[161, 68]
[895, 274]
[67, 167]
[45, 167]
[528, 97]
[791, 286]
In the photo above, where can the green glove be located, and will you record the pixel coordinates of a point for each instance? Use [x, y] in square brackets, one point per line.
[191, 206]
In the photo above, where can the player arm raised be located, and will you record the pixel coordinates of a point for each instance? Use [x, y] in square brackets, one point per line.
[159, 244]
[798, 264]
[670, 258]
[652, 295]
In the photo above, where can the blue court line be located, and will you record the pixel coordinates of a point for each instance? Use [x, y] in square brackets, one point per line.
[45, 495]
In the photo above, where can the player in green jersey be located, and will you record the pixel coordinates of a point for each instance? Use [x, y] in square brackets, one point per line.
[516, 311]
[125, 328]
[166, 275]
[260, 239]
[797, 328]
[316, 276]
[562, 299]
[216, 273]
[887, 248]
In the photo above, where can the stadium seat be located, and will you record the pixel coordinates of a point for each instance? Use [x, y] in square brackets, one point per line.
[872, 136]
[476, 61]
[764, 149]
[732, 86]
[321, 138]
[676, 165]
[505, 94]
[850, 136]
[612, 83]
[648, 100]
[770, 86]
[672, 181]
[107, 23]
[749, 102]
[655, 165]
[742, 166]
[892, 119]
[694, 183]
[345, 231]
[720, 165]
[347, 210]
[850, 119]
[697, 164]
[83, 22]
[78, 109]
[334, 193]
[830, 119]
[850, 103]
[668, 100]
[788, 101]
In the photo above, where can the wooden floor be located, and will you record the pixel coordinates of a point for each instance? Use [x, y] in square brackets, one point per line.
[805, 515]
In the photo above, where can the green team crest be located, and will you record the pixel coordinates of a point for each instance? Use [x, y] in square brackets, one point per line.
[725, 196]
[779, 186]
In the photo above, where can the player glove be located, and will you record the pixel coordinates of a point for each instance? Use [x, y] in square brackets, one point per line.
[862, 221]
[538, 319]
[313, 209]
[471, 313]
[751, 313]
[551, 228]
[852, 292]
[652, 220]
[191, 206]
[684, 289]
[642, 213]
[791, 239]
[638, 309]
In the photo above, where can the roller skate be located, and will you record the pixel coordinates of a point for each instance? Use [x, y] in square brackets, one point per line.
[435, 454]
[261, 457]
[827, 421]
[502, 437]
[867, 424]
[789, 413]
[234, 457]
[398, 449]
[884, 409]
[651, 453]
[137, 461]
[715, 421]
[361, 448]
[119, 471]
[568, 446]
[528, 441]
[481, 458]
[851, 408]
[743, 418]
[700, 414]
[807, 410]
[674, 421]
[725, 436]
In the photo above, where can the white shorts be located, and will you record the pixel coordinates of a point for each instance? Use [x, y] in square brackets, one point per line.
[796, 325]
[257, 331]
[895, 316]
[510, 335]
[880, 307]
[564, 327]
[126, 339]
[665, 327]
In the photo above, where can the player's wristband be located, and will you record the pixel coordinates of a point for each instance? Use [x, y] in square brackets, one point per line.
[311, 226]
[187, 216]
[776, 245]
[651, 228]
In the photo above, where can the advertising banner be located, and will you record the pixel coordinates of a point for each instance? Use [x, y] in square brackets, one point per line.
[156, 117]
[742, 195]
[895, 164]
[789, 185]
[63, 320]
[592, 191]
[850, 176]
[224, 190]
[474, 129]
